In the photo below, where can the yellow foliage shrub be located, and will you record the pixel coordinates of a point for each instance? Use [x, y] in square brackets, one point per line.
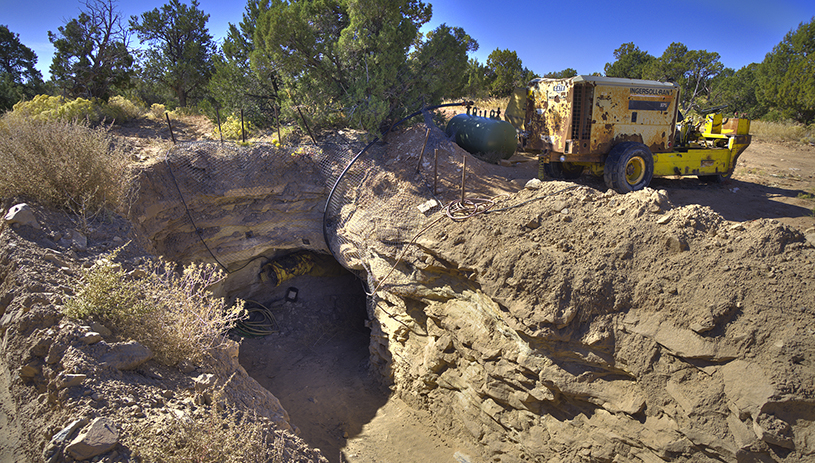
[232, 128]
[49, 108]
[120, 109]
[156, 111]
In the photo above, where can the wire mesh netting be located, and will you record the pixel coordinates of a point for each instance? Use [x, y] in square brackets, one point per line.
[340, 196]
[260, 188]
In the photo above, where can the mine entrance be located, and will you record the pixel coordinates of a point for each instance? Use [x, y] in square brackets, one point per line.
[316, 362]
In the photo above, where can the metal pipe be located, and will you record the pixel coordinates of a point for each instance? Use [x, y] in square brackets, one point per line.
[426, 136]
[463, 176]
[243, 133]
[436, 172]
[220, 131]
[277, 119]
[170, 126]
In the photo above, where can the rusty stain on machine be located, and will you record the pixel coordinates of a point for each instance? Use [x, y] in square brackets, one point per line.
[583, 117]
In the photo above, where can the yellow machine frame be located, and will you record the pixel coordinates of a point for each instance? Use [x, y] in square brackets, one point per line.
[575, 123]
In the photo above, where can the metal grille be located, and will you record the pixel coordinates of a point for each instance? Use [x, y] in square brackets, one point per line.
[577, 109]
[587, 99]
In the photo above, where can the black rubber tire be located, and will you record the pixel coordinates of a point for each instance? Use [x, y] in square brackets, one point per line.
[563, 170]
[629, 167]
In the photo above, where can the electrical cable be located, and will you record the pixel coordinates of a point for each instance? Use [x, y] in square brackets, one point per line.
[459, 211]
[189, 214]
[259, 321]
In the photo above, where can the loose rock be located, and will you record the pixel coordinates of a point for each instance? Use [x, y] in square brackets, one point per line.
[100, 437]
[21, 214]
[126, 356]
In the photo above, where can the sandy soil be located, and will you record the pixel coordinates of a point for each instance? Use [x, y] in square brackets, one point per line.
[772, 181]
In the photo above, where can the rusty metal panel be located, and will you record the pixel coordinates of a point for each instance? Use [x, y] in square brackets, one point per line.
[549, 114]
[583, 117]
[634, 112]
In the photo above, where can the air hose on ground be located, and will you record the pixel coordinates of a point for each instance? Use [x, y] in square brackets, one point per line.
[257, 321]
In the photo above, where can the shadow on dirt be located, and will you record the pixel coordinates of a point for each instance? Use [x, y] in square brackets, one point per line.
[735, 200]
[184, 130]
[317, 365]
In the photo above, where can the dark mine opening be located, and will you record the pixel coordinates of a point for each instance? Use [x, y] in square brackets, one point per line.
[317, 360]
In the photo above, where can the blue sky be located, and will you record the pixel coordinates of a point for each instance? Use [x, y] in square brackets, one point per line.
[548, 36]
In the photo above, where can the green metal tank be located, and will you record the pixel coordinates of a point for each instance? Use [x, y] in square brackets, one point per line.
[487, 139]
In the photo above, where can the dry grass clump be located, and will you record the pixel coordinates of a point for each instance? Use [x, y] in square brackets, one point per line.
[61, 164]
[482, 104]
[173, 314]
[491, 104]
[783, 131]
[219, 436]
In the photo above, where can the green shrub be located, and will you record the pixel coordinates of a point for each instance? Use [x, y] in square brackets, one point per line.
[106, 293]
[173, 314]
[61, 164]
[231, 128]
[156, 111]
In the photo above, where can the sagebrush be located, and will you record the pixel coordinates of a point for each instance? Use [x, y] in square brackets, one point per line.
[64, 164]
[221, 435]
[173, 313]
[232, 130]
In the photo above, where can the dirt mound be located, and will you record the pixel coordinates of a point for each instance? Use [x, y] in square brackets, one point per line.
[565, 314]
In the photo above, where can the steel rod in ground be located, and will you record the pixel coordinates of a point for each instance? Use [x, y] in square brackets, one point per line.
[220, 131]
[170, 126]
[463, 176]
[277, 120]
[426, 136]
[243, 133]
[436, 172]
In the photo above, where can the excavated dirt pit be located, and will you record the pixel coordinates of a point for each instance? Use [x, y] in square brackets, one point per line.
[318, 365]
[317, 362]
[569, 324]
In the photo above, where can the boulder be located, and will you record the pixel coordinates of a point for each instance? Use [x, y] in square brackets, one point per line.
[126, 355]
[101, 436]
[21, 214]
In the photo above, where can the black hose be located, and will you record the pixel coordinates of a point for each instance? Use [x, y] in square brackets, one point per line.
[351, 163]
